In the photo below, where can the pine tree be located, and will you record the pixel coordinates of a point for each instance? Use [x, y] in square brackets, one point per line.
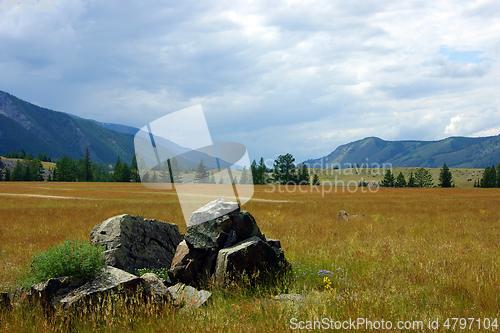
[388, 180]
[211, 180]
[498, 175]
[64, 170]
[201, 175]
[412, 181]
[87, 167]
[284, 169]
[445, 177]
[17, 172]
[489, 177]
[316, 180]
[303, 177]
[36, 170]
[244, 176]
[400, 180]
[165, 174]
[423, 178]
[1, 175]
[175, 171]
[117, 170]
[134, 169]
[6, 177]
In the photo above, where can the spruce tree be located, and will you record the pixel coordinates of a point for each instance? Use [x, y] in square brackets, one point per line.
[6, 177]
[400, 180]
[388, 180]
[423, 178]
[445, 177]
[87, 167]
[316, 180]
[175, 171]
[134, 169]
[201, 174]
[284, 169]
[244, 176]
[303, 177]
[411, 181]
[17, 172]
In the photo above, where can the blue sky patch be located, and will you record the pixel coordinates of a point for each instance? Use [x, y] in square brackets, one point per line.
[466, 57]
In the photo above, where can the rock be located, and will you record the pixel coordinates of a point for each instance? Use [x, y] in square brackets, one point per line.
[134, 243]
[4, 301]
[110, 279]
[155, 287]
[190, 265]
[213, 210]
[345, 217]
[209, 235]
[250, 255]
[184, 295]
[49, 293]
[203, 251]
[289, 297]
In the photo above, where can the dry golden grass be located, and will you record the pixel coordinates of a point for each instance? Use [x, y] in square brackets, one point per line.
[418, 254]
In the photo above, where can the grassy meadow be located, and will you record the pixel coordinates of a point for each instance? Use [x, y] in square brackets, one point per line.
[417, 255]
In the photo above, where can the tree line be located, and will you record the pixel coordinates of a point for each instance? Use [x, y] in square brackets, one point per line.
[67, 169]
[490, 179]
[284, 172]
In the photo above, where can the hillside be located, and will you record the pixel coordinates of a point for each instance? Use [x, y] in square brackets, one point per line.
[456, 152]
[39, 130]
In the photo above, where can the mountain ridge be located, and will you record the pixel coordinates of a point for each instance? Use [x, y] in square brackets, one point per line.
[456, 152]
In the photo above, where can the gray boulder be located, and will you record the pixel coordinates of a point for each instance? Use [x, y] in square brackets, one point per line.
[249, 256]
[155, 288]
[133, 242]
[110, 279]
[49, 293]
[213, 210]
[183, 295]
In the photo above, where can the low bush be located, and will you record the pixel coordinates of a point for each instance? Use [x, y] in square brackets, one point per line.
[71, 258]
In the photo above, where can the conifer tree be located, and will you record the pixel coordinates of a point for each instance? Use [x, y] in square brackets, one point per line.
[134, 169]
[87, 167]
[400, 180]
[6, 177]
[284, 169]
[175, 171]
[388, 180]
[244, 176]
[316, 180]
[303, 177]
[445, 177]
[423, 178]
[201, 174]
[411, 181]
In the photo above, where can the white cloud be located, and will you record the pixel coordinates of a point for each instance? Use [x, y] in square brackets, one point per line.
[284, 76]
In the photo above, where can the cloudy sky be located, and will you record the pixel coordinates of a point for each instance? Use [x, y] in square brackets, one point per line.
[277, 76]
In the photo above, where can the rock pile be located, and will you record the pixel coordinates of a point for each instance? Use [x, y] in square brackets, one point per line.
[224, 241]
[221, 240]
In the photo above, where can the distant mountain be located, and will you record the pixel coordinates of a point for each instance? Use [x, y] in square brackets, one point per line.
[39, 130]
[456, 152]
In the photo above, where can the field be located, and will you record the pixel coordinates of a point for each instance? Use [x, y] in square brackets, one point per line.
[417, 255]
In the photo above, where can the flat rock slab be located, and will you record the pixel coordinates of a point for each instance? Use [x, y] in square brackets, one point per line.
[188, 296]
[110, 279]
[133, 242]
[50, 292]
[213, 210]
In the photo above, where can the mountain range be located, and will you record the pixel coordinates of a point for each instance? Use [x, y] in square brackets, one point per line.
[39, 130]
[34, 129]
[456, 152]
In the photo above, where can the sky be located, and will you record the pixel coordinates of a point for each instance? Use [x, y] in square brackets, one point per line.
[299, 77]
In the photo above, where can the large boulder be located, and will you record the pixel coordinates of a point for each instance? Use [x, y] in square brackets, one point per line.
[133, 242]
[248, 256]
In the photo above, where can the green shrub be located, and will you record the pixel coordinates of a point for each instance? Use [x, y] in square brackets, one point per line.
[71, 258]
[162, 273]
